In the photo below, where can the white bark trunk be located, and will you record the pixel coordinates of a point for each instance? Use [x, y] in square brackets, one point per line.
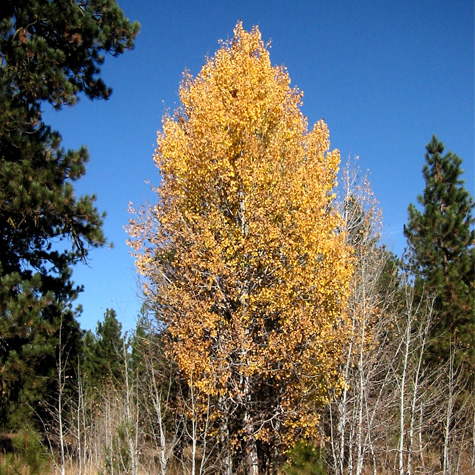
[359, 438]
[402, 394]
[224, 439]
[252, 461]
[132, 425]
[61, 379]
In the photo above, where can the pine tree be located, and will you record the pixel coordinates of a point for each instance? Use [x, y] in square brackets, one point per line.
[109, 350]
[442, 254]
[50, 52]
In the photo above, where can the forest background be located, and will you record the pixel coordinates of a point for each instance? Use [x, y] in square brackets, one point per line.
[403, 346]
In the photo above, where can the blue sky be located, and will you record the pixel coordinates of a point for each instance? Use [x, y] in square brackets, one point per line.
[384, 75]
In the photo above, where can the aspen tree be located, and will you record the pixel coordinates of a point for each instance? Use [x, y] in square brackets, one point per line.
[242, 254]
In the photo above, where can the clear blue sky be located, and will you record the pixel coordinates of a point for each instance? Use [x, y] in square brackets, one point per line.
[384, 75]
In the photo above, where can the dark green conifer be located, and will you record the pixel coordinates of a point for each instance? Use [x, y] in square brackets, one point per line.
[109, 350]
[50, 52]
[442, 255]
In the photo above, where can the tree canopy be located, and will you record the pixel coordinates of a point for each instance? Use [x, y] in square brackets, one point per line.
[245, 266]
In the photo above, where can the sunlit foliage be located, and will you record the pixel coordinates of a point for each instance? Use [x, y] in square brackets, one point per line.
[242, 256]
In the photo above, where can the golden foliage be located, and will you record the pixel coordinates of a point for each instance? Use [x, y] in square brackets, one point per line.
[242, 253]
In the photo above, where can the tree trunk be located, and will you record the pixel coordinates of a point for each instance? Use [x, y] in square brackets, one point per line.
[252, 460]
[224, 439]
